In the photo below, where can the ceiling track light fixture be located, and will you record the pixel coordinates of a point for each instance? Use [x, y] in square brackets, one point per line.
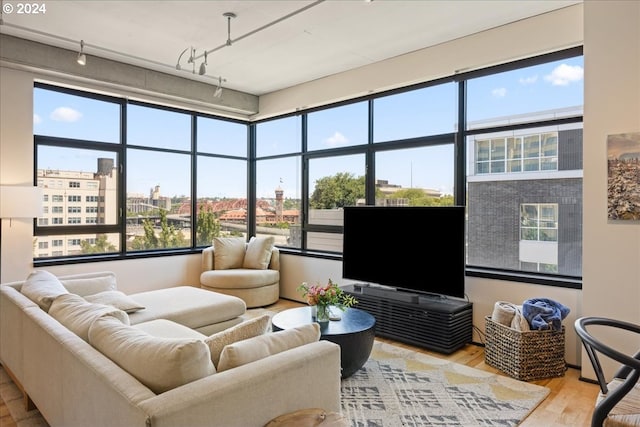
[202, 69]
[218, 91]
[82, 58]
[229, 15]
[192, 60]
[203, 66]
[178, 66]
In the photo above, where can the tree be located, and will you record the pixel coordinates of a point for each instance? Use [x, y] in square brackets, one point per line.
[291, 203]
[417, 197]
[146, 241]
[169, 236]
[340, 190]
[208, 227]
[101, 246]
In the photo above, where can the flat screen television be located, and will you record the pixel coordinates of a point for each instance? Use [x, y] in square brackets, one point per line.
[409, 248]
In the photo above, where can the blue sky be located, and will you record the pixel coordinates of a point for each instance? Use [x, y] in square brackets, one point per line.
[424, 112]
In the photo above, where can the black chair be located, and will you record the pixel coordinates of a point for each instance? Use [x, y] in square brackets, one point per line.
[618, 402]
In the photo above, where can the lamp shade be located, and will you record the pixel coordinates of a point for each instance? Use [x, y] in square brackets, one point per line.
[20, 202]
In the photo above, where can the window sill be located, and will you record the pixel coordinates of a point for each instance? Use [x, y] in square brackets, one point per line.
[523, 277]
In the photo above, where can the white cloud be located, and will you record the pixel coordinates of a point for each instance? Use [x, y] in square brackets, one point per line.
[500, 92]
[564, 74]
[528, 80]
[65, 114]
[336, 139]
[36, 119]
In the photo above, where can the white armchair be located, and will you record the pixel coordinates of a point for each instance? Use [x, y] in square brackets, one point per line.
[250, 271]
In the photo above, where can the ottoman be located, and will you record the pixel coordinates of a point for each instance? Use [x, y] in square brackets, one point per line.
[205, 311]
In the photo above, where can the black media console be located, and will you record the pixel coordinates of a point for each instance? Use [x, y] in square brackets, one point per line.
[439, 324]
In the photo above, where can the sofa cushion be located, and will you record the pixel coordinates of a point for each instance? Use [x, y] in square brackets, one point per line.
[187, 305]
[161, 364]
[258, 253]
[228, 252]
[249, 329]
[42, 288]
[239, 278]
[77, 314]
[163, 328]
[90, 283]
[256, 348]
[115, 299]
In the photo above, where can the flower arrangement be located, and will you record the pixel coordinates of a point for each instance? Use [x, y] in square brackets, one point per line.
[329, 294]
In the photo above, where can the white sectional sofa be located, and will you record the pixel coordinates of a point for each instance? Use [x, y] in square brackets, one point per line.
[73, 383]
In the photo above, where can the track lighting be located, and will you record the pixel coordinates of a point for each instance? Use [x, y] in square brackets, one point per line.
[229, 15]
[82, 58]
[192, 60]
[202, 69]
[218, 92]
[178, 66]
[203, 66]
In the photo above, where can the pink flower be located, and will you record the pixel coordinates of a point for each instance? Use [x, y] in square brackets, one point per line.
[330, 294]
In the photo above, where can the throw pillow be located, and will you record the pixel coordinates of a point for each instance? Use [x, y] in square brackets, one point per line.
[42, 288]
[256, 348]
[161, 364]
[77, 315]
[249, 329]
[258, 253]
[90, 283]
[115, 299]
[228, 252]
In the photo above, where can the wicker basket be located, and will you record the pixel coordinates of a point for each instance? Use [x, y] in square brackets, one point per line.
[528, 355]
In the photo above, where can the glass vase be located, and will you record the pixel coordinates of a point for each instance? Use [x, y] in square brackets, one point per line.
[322, 313]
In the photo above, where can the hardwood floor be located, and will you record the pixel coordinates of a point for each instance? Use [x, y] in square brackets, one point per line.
[569, 404]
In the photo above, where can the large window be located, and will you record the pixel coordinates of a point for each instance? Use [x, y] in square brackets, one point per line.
[524, 174]
[278, 200]
[76, 174]
[158, 128]
[338, 127]
[157, 185]
[91, 211]
[222, 137]
[280, 136]
[506, 142]
[415, 176]
[68, 115]
[334, 182]
[222, 207]
[222, 201]
[416, 113]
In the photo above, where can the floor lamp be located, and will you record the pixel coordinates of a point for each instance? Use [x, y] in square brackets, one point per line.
[18, 202]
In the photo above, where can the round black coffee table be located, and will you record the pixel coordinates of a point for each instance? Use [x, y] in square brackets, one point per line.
[354, 333]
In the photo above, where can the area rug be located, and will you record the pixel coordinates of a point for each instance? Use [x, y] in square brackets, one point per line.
[400, 387]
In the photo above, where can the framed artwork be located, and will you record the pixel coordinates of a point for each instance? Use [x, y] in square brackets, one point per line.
[623, 176]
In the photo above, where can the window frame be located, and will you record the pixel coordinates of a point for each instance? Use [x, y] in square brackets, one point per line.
[457, 137]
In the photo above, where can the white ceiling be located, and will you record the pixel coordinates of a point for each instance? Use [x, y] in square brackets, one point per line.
[275, 44]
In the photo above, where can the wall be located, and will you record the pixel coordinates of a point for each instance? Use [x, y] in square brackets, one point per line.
[611, 251]
[16, 166]
[524, 38]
